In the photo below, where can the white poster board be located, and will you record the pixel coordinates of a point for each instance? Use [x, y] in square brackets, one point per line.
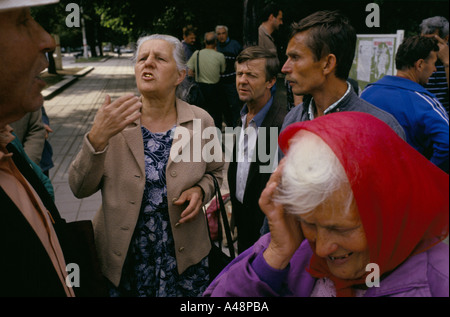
[375, 57]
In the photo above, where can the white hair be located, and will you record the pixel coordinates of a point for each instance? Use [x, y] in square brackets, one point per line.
[312, 173]
[429, 26]
[222, 27]
[178, 55]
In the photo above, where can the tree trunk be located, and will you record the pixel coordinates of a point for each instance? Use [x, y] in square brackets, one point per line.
[250, 27]
[51, 63]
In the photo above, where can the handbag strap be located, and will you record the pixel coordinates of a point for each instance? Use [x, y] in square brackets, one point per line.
[197, 73]
[224, 216]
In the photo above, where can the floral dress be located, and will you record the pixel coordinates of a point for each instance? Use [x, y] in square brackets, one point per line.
[150, 268]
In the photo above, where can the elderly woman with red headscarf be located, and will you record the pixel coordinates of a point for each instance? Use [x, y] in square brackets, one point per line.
[353, 210]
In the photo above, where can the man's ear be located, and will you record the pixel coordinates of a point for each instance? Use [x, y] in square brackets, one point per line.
[271, 82]
[419, 64]
[329, 64]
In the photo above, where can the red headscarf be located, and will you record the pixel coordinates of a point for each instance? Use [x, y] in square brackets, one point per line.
[402, 198]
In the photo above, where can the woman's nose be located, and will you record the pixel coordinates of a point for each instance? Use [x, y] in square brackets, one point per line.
[150, 61]
[324, 244]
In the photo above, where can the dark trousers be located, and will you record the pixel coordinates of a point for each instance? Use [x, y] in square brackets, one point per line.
[248, 221]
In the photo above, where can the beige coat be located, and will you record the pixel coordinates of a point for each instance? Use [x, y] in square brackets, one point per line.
[31, 133]
[118, 172]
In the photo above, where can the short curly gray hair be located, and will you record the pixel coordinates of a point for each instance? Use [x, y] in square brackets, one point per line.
[429, 26]
[178, 54]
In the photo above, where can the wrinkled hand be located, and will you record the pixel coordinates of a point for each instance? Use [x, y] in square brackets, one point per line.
[194, 196]
[5, 135]
[112, 118]
[285, 230]
[443, 48]
[48, 130]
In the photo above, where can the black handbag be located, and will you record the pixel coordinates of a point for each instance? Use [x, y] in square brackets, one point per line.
[195, 96]
[217, 258]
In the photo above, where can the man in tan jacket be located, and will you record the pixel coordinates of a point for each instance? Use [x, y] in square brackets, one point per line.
[273, 18]
[31, 133]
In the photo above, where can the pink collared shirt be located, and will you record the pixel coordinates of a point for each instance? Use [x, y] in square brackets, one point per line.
[28, 202]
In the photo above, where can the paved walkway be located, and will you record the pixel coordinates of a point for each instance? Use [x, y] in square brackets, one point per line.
[71, 114]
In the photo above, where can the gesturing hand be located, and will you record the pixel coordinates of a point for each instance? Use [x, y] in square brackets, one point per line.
[285, 230]
[194, 196]
[113, 117]
[443, 48]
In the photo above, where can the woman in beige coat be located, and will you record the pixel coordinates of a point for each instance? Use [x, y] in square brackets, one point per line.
[142, 153]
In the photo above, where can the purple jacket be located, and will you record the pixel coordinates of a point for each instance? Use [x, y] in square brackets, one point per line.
[422, 275]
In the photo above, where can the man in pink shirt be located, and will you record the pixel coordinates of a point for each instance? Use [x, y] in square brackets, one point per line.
[32, 261]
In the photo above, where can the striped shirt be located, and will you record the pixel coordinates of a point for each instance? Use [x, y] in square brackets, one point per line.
[437, 85]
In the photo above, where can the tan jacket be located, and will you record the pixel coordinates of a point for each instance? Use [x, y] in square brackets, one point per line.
[265, 40]
[31, 133]
[118, 172]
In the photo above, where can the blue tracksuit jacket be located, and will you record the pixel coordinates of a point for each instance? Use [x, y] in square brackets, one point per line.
[421, 115]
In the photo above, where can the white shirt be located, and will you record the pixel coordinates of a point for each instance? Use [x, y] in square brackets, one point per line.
[245, 155]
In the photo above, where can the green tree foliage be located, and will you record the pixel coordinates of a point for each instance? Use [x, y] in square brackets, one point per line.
[121, 22]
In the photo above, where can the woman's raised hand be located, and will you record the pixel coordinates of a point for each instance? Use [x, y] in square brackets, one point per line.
[286, 233]
[113, 117]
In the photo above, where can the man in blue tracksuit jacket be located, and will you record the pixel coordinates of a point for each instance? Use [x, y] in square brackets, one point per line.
[421, 115]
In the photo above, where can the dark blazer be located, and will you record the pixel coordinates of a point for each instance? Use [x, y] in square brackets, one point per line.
[248, 216]
[25, 268]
